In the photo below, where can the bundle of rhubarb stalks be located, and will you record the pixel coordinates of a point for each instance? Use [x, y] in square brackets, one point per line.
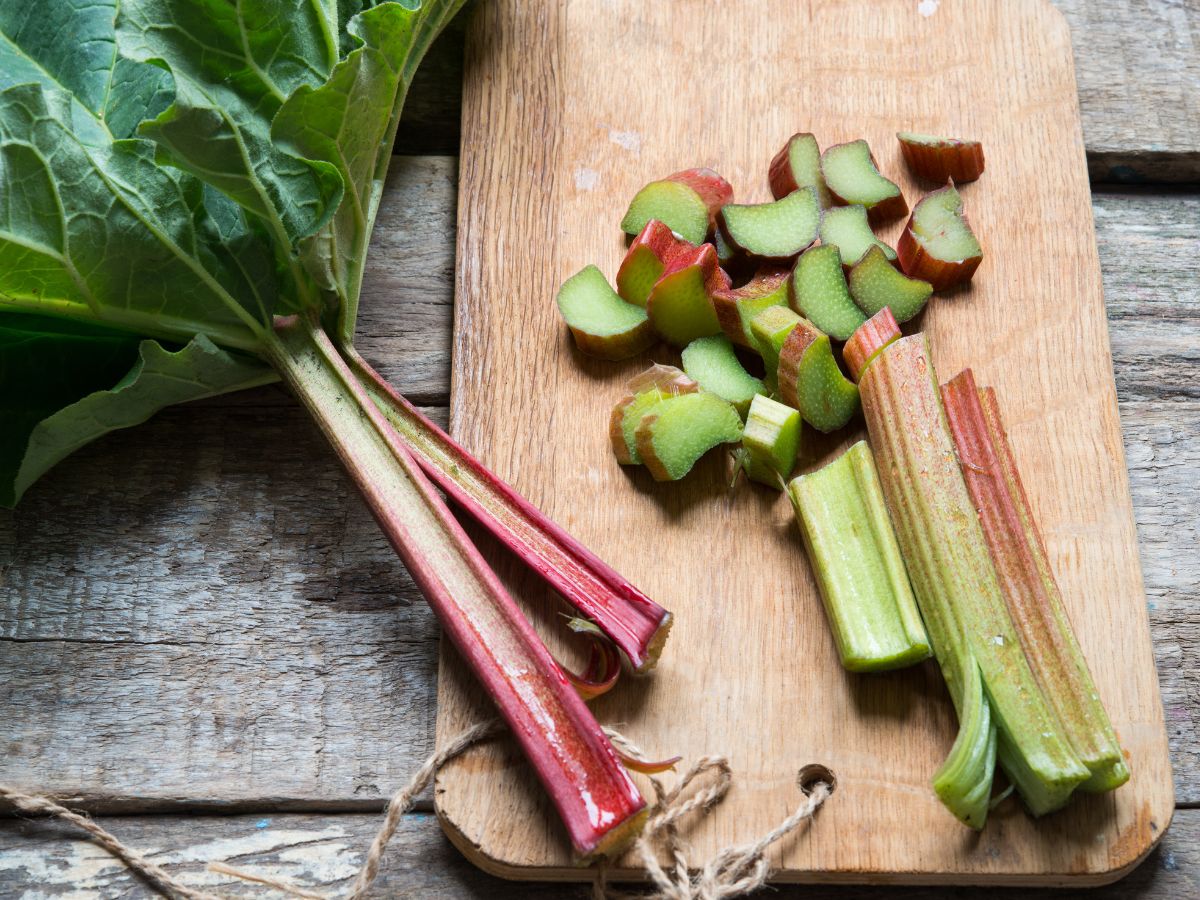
[923, 542]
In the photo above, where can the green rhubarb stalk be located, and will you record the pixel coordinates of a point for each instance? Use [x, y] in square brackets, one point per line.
[953, 576]
[1030, 589]
[853, 551]
[770, 441]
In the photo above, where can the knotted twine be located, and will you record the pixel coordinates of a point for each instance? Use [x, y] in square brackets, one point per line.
[733, 872]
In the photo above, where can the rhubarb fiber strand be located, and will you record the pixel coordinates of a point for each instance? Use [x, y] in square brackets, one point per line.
[594, 794]
[629, 618]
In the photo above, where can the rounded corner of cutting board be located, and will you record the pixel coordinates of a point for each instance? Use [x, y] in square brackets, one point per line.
[480, 858]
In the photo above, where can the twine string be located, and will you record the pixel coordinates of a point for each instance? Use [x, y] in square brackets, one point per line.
[733, 872]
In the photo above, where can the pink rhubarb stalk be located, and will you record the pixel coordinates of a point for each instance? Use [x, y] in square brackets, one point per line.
[1027, 581]
[629, 618]
[582, 772]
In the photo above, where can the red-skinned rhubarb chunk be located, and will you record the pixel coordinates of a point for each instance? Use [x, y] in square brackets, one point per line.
[737, 307]
[677, 432]
[1034, 600]
[657, 383]
[938, 245]
[655, 248]
[953, 577]
[796, 166]
[603, 324]
[940, 159]
[686, 201]
[809, 379]
[708, 184]
[630, 619]
[595, 796]
[680, 305]
[852, 177]
[871, 337]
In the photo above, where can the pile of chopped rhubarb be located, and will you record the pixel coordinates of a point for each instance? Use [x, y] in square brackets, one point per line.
[787, 316]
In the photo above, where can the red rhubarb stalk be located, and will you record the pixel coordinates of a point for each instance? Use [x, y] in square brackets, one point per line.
[629, 618]
[1027, 581]
[594, 794]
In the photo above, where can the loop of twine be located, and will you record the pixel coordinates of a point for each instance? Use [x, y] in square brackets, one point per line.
[734, 871]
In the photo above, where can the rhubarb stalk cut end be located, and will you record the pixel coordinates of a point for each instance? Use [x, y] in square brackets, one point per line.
[940, 159]
[603, 324]
[871, 337]
[938, 245]
[850, 172]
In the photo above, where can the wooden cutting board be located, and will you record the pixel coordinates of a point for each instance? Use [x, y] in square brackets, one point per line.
[568, 109]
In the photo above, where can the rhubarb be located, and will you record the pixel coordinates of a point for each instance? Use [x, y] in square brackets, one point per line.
[673, 436]
[940, 159]
[955, 582]
[852, 547]
[850, 172]
[875, 284]
[655, 247]
[809, 379]
[737, 307]
[680, 305]
[630, 619]
[686, 201]
[938, 245]
[847, 228]
[770, 441]
[644, 391]
[776, 231]
[820, 294]
[796, 166]
[596, 798]
[603, 324]
[871, 337]
[770, 329]
[713, 364]
[1027, 581]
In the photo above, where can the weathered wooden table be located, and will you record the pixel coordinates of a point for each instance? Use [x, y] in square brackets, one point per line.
[204, 637]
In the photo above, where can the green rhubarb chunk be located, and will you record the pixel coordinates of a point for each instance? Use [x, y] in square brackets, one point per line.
[674, 204]
[876, 283]
[677, 432]
[804, 159]
[815, 385]
[603, 324]
[848, 534]
[712, 362]
[680, 306]
[819, 292]
[770, 329]
[776, 230]
[847, 228]
[726, 252]
[632, 415]
[770, 441]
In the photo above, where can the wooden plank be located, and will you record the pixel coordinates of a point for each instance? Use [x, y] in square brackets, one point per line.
[531, 213]
[40, 860]
[169, 583]
[1137, 64]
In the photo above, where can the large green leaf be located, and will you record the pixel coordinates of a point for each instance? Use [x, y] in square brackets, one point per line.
[63, 384]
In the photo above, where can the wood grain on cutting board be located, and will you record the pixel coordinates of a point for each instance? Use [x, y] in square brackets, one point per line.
[568, 109]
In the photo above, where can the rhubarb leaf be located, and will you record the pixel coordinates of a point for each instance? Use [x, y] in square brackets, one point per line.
[64, 384]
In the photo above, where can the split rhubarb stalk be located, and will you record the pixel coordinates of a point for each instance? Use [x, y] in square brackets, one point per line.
[629, 618]
[1034, 600]
[850, 542]
[956, 584]
[594, 794]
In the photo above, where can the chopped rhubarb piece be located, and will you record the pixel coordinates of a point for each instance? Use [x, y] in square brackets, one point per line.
[850, 172]
[712, 362]
[871, 337]
[770, 329]
[1034, 600]
[655, 247]
[852, 547]
[875, 284]
[956, 584]
[941, 159]
[680, 305]
[677, 432]
[938, 245]
[847, 228]
[687, 202]
[809, 379]
[714, 190]
[644, 391]
[603, 324]
[775, 231]
[820, 294]
[770, 441]
[737, 307]
[796, 166]
[628, 618]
